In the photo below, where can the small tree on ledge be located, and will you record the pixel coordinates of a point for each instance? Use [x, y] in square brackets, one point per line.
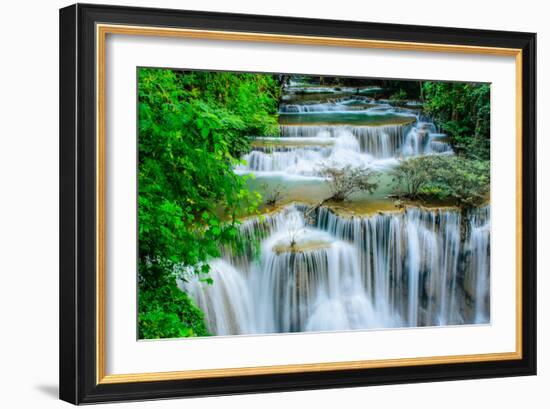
[273, 195]
[343, 182]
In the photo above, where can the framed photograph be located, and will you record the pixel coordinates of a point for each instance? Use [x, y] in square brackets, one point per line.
[258, 203]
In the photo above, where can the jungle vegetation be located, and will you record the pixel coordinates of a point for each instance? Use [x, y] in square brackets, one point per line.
[462, 111]
[193, 127]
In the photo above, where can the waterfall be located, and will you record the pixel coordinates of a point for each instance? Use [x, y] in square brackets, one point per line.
[381, 141]
[478, 245]
[332, 271]
[304, 148]
[424, 139]
[228, 305]
[378, 141]
[413, 272]
[313, 288]
[395, 269]
[254, 229]
[345, 104]
[308, 148]
[340, 149]
[410, 260]
[298, 160]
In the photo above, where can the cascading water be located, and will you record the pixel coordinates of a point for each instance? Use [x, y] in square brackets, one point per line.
[228, 306]
[379, 141]
[286, 159]
[424, 139]
[343, 149]
[307, 268]
[410, 260]
[386, 270]
[478, 245]
[332, 105]
[304, 149]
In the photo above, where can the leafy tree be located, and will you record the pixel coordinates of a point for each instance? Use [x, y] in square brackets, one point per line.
[458, 179]
[167, 312]
[193, 127]
[399, 90]
[393, 89]
[399, 95]
[462, 110]
[411, 176]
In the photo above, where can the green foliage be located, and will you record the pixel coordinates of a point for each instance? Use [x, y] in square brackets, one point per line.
[410, 176]
[458, 179]
[400, 90]
[167, 312]
[193, 127]
[392, 89]
[399, 95]
[462, 110]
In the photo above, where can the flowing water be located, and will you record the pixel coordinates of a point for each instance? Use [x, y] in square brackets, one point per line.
[370, 137]
[320, 268]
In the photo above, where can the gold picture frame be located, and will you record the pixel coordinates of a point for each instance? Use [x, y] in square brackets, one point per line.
[97, 23]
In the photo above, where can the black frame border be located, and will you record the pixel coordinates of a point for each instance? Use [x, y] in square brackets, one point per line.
[78, 210]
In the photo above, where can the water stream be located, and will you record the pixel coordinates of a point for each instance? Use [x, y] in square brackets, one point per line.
[325, 269]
